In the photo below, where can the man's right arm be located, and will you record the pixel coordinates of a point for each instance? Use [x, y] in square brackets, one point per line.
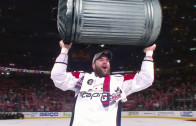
[61, 78]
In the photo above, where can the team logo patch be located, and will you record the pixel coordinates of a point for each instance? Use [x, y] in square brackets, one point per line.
[90, 81]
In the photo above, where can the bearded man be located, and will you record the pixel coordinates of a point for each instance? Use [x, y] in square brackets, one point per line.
[99, 95]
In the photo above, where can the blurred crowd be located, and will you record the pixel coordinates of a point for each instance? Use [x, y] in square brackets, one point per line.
[28, 93]
[173, 89]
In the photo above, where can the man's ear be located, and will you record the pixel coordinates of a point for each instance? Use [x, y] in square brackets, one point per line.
[93, 66]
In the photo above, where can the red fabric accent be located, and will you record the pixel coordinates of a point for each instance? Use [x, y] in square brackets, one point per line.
[106, 103]
[76, 74]
[106, 85]
[129, 77]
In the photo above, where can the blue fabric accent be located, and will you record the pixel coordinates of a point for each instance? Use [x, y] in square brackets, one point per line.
[79, 83]
[106, 100]
[73, 111]
[61, 62]
[118, 117]
[78, 86]
[148, 60]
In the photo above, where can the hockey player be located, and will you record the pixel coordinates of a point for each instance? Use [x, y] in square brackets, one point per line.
[99, 95]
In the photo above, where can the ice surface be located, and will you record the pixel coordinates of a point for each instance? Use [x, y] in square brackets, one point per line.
[125, 122]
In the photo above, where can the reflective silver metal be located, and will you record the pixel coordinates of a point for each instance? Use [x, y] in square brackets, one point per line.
[117, 22]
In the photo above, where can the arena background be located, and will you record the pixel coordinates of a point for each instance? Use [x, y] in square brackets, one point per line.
[29, 45]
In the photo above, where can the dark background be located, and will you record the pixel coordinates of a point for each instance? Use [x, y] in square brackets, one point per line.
[28, 29]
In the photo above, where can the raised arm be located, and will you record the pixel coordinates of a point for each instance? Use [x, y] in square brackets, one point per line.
[144, 78]
[61, 78]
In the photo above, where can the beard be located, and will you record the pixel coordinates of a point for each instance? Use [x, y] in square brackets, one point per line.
[99, 72]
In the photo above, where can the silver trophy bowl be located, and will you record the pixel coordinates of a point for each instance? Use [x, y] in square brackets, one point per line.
[114, 22]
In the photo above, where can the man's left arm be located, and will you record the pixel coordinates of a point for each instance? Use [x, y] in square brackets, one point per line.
[144, 78]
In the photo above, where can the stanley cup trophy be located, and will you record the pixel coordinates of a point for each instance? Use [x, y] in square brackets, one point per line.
[114, 22]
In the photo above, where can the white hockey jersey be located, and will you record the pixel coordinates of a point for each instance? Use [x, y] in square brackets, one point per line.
[88, 108]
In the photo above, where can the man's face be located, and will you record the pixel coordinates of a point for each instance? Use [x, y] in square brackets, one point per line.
[102, 66]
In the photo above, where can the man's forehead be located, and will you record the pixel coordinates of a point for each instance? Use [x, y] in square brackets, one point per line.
[103, 56]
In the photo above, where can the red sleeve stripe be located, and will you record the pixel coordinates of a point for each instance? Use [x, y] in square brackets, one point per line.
[76, 74]
[129, 76]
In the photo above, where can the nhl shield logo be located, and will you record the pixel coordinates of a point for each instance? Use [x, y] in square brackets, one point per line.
[90, 82]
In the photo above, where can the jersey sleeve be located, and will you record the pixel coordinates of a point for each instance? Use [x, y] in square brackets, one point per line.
[141, 80]
[62, 79]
